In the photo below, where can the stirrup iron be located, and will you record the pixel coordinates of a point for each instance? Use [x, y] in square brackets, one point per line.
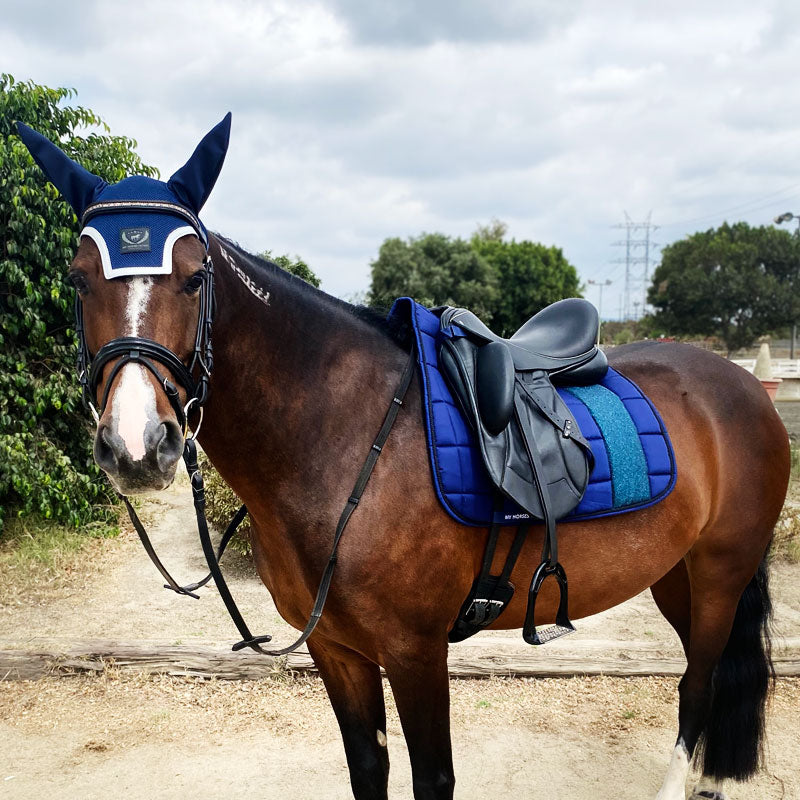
[563, 626]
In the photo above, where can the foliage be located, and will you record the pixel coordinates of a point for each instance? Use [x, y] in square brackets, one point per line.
[46, 465]
[434, 269]
[503, 282]
[617, 333]
[294, 265]
[735, 282]
[529, 276]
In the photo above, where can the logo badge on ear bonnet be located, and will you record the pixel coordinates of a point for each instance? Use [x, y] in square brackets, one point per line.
[136, 222]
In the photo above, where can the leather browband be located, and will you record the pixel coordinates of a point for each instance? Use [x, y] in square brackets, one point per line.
[122, 206]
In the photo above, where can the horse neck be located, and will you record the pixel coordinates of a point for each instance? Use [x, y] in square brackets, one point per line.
[299, 387]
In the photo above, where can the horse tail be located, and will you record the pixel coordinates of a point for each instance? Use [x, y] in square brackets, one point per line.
[732, 743]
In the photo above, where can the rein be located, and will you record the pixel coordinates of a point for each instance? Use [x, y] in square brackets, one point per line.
[149, 353]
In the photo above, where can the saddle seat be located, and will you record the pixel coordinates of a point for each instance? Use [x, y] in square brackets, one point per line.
[559, 338]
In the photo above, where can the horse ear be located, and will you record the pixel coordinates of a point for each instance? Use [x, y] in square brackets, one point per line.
[77, 185]
[194, 181]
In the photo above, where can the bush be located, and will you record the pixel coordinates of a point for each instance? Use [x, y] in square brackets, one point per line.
[46, 464]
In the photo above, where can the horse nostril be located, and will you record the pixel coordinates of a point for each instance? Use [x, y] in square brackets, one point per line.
[104, 453]
[170, 445]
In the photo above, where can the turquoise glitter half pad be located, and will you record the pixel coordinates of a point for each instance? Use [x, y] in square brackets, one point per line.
[634, 466]
[627, 462]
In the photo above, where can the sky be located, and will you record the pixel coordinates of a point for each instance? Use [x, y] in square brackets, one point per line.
[354, 121]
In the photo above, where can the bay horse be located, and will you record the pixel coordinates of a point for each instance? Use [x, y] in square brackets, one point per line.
[300, 385]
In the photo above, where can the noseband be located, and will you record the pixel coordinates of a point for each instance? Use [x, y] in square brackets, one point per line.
[148, 353]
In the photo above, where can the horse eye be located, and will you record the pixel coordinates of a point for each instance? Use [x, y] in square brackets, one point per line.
[195, 282]
[78, 280]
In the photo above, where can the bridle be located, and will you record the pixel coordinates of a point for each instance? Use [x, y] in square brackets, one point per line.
[148, 353]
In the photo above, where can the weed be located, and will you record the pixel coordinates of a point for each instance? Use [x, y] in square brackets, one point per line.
[786, 540]
[37, 553]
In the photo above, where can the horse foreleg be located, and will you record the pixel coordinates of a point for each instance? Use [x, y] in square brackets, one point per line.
[356, 693]
[421, 689]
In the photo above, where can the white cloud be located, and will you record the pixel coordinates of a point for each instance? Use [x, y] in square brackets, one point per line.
[354, 122]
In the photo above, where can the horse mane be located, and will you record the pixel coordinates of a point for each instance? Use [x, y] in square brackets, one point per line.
[262, 271]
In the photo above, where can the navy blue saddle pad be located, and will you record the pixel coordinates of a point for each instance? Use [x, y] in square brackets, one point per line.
[634, 465]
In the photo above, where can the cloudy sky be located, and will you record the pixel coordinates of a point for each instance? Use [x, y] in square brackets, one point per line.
[355, 120]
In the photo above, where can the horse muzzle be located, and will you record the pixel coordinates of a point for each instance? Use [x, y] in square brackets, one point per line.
[148, 468]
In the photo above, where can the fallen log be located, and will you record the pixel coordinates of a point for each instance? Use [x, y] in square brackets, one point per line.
[634, 659]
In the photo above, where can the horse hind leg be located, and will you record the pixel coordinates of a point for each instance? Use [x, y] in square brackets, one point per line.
[724, 689]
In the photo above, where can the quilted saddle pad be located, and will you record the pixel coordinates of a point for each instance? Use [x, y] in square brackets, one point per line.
[634, 464]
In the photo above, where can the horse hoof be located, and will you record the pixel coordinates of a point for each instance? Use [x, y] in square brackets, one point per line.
[706, 795]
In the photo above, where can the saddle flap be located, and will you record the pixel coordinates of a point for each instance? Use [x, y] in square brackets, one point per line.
[494, 379]
[538, 419]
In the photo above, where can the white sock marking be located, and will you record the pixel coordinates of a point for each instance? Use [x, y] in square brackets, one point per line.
[134, 402]
[674, 786]
[711, 786]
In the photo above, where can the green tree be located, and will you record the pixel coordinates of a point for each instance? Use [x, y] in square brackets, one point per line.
[529, 276]
[294, 265]
[434, 269]
[736, 282]
[46, 465]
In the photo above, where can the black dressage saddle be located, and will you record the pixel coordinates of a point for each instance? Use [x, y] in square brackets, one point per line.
[530, 443]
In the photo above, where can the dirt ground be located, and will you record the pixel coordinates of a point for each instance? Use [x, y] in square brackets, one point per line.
[157, 737]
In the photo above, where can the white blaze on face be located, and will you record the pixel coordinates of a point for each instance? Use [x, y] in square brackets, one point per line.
[134, 401]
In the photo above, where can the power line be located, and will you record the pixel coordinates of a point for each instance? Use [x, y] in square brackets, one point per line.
[740, 207]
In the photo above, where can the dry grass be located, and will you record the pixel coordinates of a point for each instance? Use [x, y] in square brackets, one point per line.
[786, 543]
[38, 558]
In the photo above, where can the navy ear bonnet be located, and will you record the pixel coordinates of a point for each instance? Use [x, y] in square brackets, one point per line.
[136, 222]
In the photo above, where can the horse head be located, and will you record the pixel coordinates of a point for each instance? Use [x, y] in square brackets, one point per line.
[144, 284]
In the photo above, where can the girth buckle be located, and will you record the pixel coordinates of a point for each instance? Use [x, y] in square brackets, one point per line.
[484, 611]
